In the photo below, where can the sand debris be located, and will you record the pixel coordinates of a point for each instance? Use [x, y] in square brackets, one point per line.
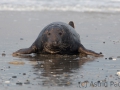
[17, 62]
[114, 59]
[7, 82]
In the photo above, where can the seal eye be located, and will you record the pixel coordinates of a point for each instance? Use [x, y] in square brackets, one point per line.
[49, 33]
[60, 33]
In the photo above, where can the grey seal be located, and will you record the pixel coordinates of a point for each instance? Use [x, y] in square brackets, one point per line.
[58, 38]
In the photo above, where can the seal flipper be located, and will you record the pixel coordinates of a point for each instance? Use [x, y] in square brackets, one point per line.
[82, 49]
[25, 51]
[71, 23]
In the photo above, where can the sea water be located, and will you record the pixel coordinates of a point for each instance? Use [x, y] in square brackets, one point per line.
[61, 5]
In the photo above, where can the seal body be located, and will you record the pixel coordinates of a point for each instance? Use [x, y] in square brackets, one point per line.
[57, 38]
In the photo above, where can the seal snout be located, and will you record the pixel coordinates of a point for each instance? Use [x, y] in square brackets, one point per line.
[55, 43]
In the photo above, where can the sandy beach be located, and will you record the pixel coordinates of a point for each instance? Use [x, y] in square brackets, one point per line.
[98, 32]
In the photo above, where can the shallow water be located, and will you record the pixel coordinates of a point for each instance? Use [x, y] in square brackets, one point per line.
[98, 32]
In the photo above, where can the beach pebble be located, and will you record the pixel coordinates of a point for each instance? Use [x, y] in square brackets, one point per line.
[110, 75]
[118, 56]
[24, 73]
[50, 60]
[99, 81]
[7, 82]
[42, 65]
[21, 38]
[3, 54]
[14, 76]
[54, 75]
[118, 73]
[27, 82]
[18, 83]
[110, 58]
[114, 59]
[100, 52]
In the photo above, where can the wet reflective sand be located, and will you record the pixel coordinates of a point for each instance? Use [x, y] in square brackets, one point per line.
[98, 31]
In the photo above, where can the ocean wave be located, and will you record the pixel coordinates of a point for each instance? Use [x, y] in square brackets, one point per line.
[77, 8]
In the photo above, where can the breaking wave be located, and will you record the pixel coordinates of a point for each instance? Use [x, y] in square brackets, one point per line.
[61, 5]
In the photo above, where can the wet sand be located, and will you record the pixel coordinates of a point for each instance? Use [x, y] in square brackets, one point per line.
[98, 32]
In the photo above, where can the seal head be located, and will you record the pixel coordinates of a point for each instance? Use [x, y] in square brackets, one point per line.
[53, 39]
